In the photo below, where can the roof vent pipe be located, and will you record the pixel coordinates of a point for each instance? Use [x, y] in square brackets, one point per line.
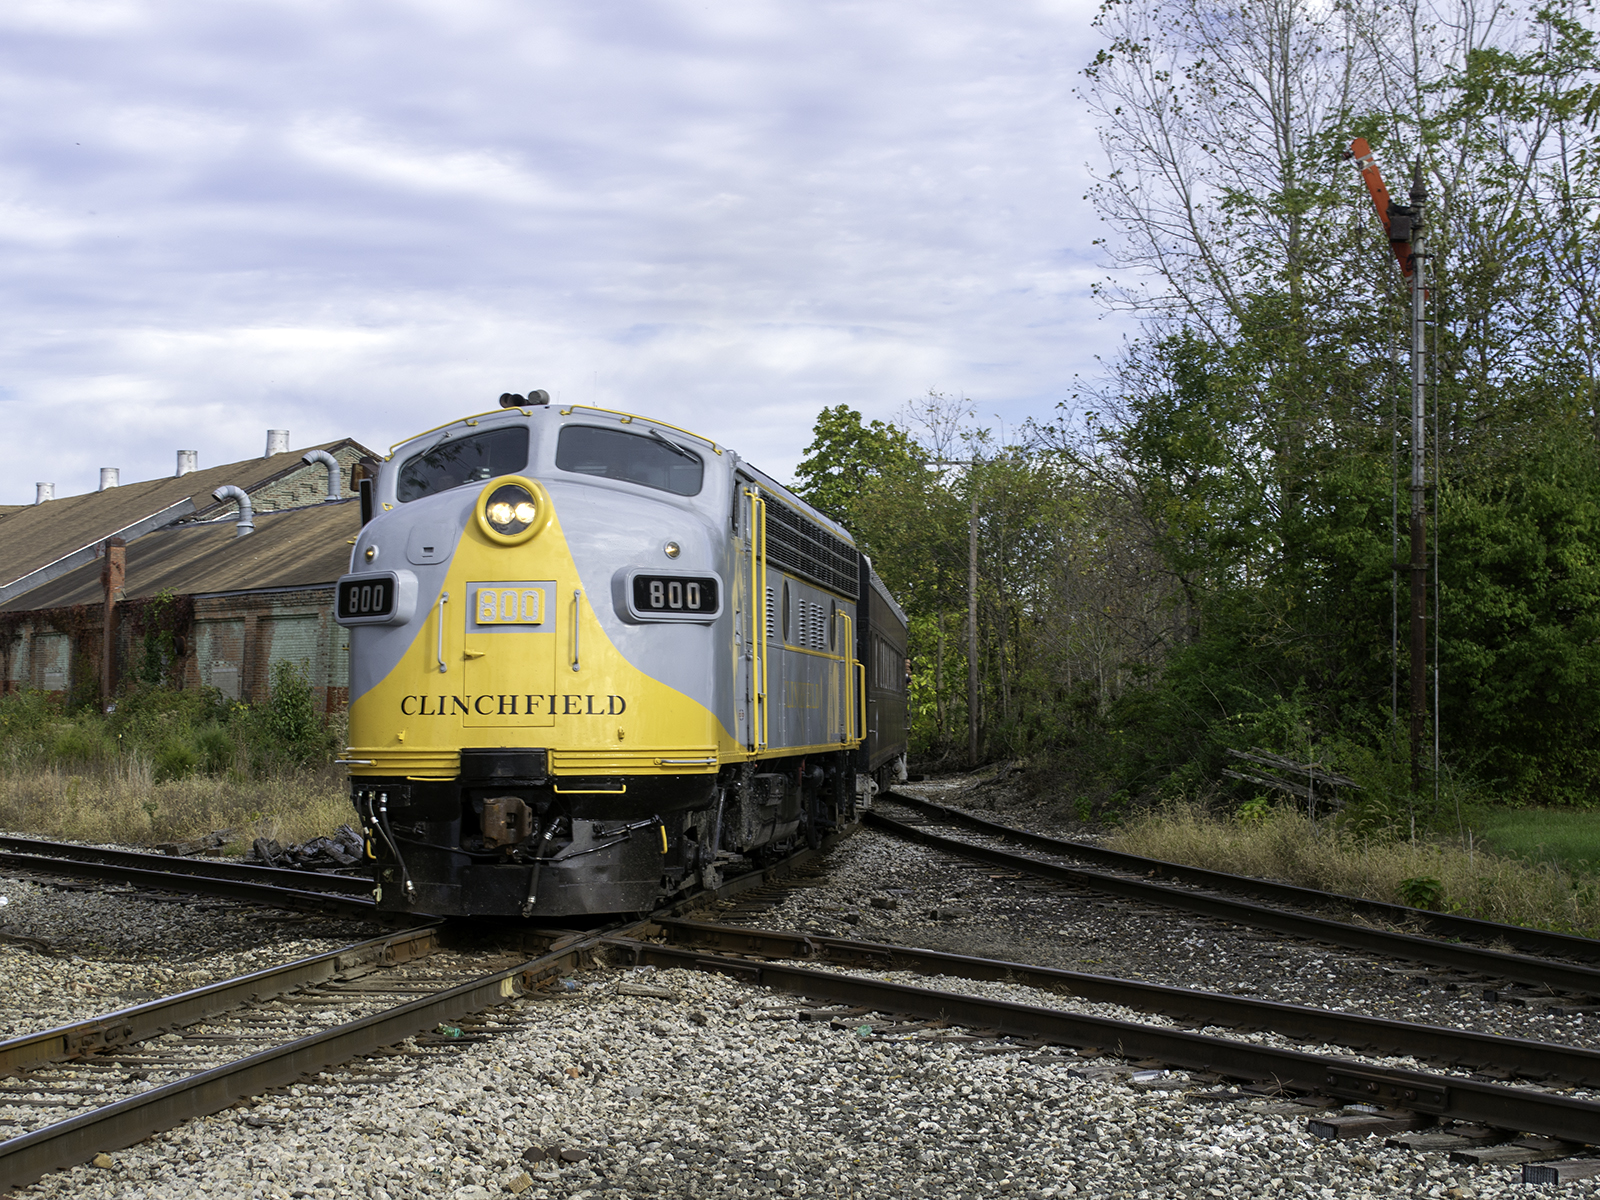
[247, 523]
[47, 491]
[277, 442]
[188, 461]
[332, 463]
[109, 477]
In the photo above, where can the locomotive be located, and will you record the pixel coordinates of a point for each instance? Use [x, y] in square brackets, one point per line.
[595, 659]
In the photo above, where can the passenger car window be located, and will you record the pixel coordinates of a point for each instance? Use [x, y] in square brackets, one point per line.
[650, 460]
[471, 458]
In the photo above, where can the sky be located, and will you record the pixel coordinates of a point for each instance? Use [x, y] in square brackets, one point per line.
[362, 218]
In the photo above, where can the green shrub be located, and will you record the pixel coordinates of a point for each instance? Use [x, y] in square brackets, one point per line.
[81, 743]
[217, 748]
[289, 725]
[172, 732]
[174, 759]
[1422, 891]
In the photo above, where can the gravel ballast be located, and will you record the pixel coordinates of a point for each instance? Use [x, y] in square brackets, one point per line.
[714, 1090]
[67, 954]
[704, 1095]
[985, 911]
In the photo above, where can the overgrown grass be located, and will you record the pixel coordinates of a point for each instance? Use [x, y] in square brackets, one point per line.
[169, 765]
[125, 804]
[1282, 844]
[1568, 838]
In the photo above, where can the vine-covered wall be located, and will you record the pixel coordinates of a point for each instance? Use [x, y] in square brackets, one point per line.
[227, 642]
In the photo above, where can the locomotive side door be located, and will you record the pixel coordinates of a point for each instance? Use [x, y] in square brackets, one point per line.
[751, 599]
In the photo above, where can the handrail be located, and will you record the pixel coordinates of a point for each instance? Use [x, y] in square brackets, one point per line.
[577, 614]
[443, 598]
[758, 580]
[847, 712]
[861, 730]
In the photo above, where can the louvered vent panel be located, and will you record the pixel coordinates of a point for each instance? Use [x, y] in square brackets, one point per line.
[805, 548]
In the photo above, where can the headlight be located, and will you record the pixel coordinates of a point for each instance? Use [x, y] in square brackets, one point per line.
[512, 509]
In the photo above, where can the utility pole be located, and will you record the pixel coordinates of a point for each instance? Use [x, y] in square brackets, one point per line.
[972, 631]
[1419, 536]
[972, 605]
[1403, 225]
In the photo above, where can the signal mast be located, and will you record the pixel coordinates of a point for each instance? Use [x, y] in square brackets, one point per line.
[1403, 225]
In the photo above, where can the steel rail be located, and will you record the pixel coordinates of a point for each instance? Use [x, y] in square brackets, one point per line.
[29, 1156]
[173, 1012]
[320, 881]
[1522, 1109]
[271, 895]
[1520, 968]
[25, 1158]
[1536, 941]
[1572, 1064]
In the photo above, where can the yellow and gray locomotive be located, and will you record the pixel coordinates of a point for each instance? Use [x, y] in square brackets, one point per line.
[594, 657]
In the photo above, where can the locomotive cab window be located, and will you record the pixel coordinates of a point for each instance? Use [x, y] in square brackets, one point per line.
[472, 458]
[650, 460]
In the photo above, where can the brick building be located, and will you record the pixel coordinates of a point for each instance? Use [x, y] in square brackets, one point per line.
[199, 600]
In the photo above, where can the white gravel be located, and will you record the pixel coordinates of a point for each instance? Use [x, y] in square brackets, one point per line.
[109, 949]
[704, 1096]
[989, 912]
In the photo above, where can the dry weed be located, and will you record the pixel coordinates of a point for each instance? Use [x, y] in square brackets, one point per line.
[1286, 846]
[121, 803]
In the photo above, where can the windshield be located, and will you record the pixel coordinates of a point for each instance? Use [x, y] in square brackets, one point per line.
[650, 460]
[470, 458]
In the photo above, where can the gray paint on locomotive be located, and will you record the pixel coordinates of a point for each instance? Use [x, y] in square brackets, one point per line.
[375, 650]
[613, 525]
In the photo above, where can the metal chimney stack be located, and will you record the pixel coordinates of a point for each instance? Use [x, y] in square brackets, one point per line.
[188, 461]
[109, 477]
[277, 442]
[247, 521]
[47, 491]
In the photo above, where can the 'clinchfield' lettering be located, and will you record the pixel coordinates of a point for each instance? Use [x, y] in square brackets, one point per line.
[526, 704]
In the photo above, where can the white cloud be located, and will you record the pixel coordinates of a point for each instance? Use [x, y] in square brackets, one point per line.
[360, 218]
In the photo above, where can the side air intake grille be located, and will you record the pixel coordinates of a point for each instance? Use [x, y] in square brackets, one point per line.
[808, 550]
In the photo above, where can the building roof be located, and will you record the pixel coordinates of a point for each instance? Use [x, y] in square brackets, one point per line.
[296, 547]
[41, 534]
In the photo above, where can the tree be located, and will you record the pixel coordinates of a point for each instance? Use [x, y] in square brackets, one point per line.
[1251, 434]
[846, 455]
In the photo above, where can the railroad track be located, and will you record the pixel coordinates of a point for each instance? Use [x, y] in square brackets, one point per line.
[104, 1084]
[69, 1093]
[1130, 880]
[1447, 925]
[306, 891]
[1454, 1112]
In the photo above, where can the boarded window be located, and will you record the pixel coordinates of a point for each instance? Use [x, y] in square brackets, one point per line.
[293, 639]
[54, 655]
[219, 651]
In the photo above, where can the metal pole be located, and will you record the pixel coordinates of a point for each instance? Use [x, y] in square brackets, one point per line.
[1393, 421]
[1419, 541]
[1438, 487]
[972, 630]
